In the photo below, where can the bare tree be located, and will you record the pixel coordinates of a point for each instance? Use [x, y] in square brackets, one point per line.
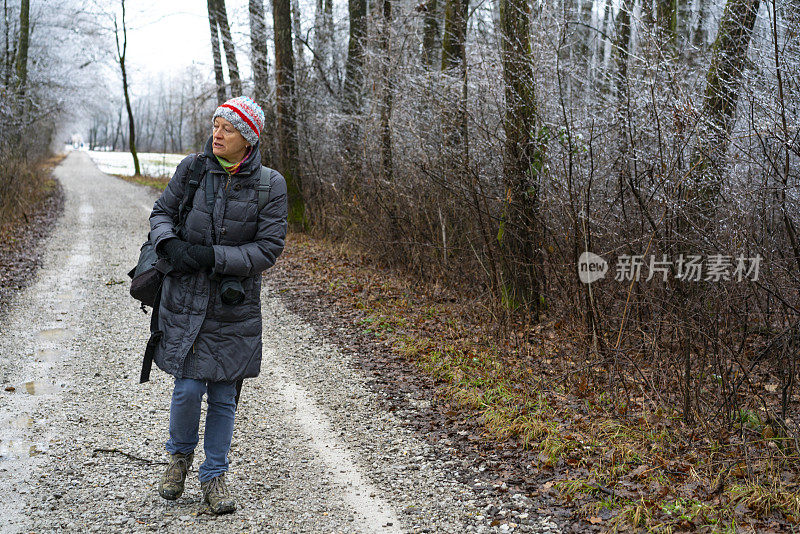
[719, 104]
[454, 69]
[354, 67]
[454, 53]
[323, 37]
[521, 236]
[286, 112]
[260, 62]
[667, 15]
[22, 48]
[258, 52]
[121, 51]
[6, 48]
[221, 16]
[215, 51]
[387, 168]
[430, 33]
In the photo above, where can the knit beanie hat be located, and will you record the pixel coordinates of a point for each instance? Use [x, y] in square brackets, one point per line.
[245, 115]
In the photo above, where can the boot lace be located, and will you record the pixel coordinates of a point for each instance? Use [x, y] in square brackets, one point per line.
[178, 469]
[216, 486]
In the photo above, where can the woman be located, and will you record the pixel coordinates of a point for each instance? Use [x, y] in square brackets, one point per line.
[209, 341]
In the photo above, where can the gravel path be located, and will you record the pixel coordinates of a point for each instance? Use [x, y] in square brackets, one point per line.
[81, 447]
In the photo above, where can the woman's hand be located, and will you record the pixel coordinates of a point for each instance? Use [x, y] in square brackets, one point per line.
[177, 253]
[202, 255]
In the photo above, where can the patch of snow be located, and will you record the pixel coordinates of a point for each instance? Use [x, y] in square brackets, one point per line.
[150, 163]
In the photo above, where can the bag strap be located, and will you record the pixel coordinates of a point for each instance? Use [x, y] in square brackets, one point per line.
[238, 392]
[264, 187]
[195, 170]
[152, 342]
[210, 193]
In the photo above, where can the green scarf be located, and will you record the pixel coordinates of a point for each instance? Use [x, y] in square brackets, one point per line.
[225, 164]
[233, 168]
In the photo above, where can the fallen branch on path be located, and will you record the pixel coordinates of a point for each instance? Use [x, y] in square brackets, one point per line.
[128, 455]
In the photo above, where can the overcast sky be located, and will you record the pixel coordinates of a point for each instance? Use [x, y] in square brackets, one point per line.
[166, 37]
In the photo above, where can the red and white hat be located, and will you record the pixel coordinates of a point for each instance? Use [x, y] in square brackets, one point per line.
[245, 115]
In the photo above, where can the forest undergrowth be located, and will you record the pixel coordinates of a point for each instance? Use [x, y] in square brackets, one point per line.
[625, 461]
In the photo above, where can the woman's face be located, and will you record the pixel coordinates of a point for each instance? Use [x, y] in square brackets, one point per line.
[228, 143]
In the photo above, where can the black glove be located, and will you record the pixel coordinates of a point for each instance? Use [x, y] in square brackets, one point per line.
[176, 253]
[203, 255]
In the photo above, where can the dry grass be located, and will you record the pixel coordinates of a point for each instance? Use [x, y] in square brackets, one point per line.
[27, 186]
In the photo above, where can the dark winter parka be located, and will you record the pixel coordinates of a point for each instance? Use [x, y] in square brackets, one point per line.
[205, 338]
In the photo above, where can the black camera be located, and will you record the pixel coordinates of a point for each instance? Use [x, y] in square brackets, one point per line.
[230, 289]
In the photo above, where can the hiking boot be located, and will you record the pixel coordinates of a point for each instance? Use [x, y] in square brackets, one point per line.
[171, 485]
[216, 494]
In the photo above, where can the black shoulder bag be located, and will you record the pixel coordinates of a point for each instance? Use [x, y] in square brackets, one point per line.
[148, 275]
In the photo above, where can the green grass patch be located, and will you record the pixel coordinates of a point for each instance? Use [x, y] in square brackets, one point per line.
[150, 181]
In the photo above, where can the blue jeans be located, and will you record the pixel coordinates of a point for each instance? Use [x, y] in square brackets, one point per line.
[184, 422]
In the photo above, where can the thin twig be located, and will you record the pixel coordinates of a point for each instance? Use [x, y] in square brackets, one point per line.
[128, 455]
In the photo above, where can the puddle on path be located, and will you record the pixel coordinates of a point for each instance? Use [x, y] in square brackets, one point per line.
[67, 295]
[54, 334]
[22, 421]
[37, 387]
[49, 355]
[77, 260]
[17, 449]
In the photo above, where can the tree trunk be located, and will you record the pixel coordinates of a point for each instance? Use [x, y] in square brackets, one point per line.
[386, 97]
[330, 47]
[454, 66]
[22, 48]
[455, 33]
[621, 54]
[230, 51]
[121, 51]
[117, 131]
[181, 118]
[719, 104]
[285, 100]
[260, 61]
[218, 74]
[354, 68]
[323, 36]
[430, 34]
[7, 48]
[300, 63]
[350, 134]
[318, 59]
[520, 233]
[258, 51]
[667, 16]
